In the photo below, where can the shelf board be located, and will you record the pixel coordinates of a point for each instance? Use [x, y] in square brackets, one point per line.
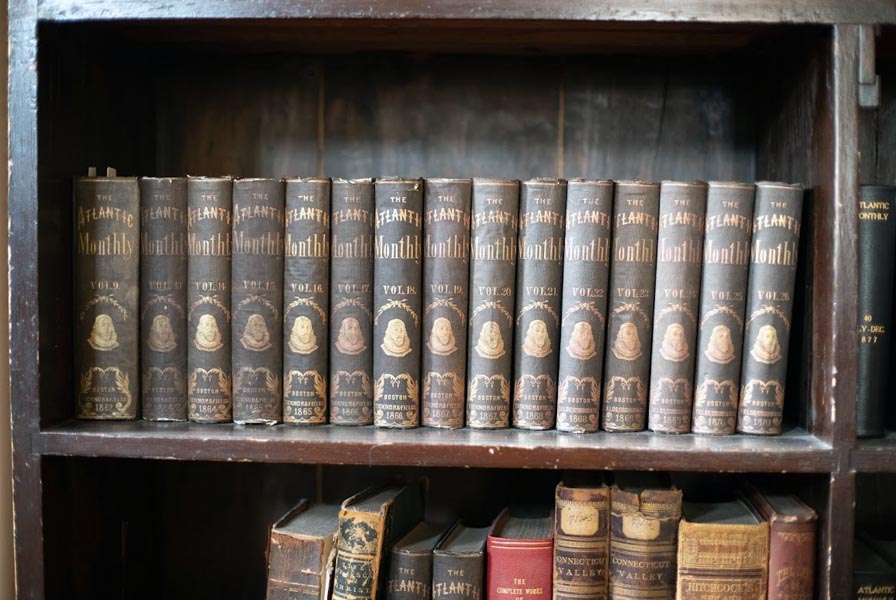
[757, 11]
[794, 451]
[876, 455]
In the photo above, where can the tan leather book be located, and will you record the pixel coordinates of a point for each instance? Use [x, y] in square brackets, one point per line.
[301, 552]
[722, 551]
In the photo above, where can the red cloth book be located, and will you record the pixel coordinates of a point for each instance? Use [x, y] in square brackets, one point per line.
[520, 558]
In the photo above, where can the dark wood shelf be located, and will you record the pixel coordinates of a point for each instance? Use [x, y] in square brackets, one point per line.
[877, 455]
[795, 451]
[793, 11]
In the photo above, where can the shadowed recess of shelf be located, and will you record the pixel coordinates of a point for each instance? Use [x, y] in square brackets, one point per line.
[794, 451]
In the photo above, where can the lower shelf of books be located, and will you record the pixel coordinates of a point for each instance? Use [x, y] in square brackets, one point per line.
[794, 451]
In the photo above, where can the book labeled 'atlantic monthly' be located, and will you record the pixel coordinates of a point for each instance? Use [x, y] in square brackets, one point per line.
[676, 304]
[410, 568]
[630, 305]
[163, 297]
[351, 302]
[492, 297]
[586, 273]
[107, 321]
[306, 294]
[877, 239]
[723, 299]
[397, 298]
[539, 277]
[257, 298]
[446, 274]
[773, 260]
[210, 204]
[458, 564]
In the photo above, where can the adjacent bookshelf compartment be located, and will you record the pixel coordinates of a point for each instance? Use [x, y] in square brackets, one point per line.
[877, 151]
[359, 99]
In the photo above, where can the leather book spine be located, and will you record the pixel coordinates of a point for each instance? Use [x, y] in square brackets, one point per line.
[877, 238]
[630, 306]
[446, 275]
[351, 302]
[773, 260]
[722, 561]
[299, 565]
[492, 296]
[586, 274]
[107, 281]
[677, 290]
[519, 569]
[723, 299]
[643, 543]
[539, 277]
[581, 543]
[359, 548]
[457, 576]
[163, 298]
[209, 222]
[410, 576]
[257, 298]
[397, 297]
[306, 296]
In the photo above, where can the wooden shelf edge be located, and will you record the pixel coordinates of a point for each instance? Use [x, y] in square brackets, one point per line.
[795, 451]
[877, 455]
[707, 11]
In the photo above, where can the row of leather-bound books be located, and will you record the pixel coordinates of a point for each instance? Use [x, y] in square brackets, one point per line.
[634, 539]
[396, 302]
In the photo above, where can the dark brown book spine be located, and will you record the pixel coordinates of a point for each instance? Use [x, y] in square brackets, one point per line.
[677, 290]
[163, 298]
[581, 543]
[630, 323]
[877, 239]
[586, 274]
[643, 543]
[446, 273]
[776, 236]
[300, 563]
[458, 574]
[106, 285]
[397, 275]
[539, 275]
[306, 293]
[723, 299]
[492, 293]
[410, 576]
[210, 203]
[351, 303]
[257, 298]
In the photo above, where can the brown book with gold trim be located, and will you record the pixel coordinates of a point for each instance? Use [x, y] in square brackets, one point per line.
[679, 258]
[163, 297]
[210, 202]
[446, 277]
[492, 293]
[257, 299]
[397, 298]
[351, 302]
[306, 294]
[775, 252]
[722, 552]
[539, 277]
[107, 320]
[630, 322]
[581, 542]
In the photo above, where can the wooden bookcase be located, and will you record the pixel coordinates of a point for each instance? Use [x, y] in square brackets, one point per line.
[518, 88]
